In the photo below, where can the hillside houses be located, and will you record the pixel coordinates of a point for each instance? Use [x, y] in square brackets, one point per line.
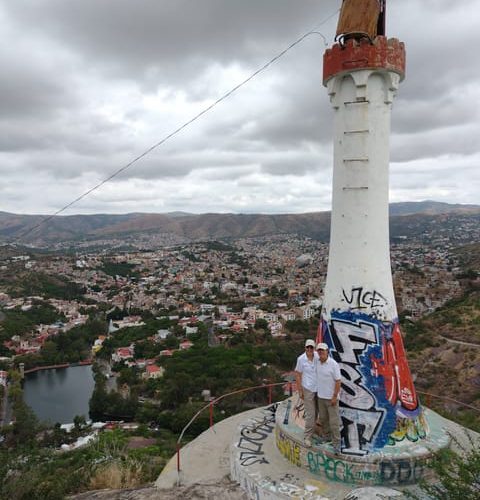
[153, 372]
[227, 286]
[123, 353]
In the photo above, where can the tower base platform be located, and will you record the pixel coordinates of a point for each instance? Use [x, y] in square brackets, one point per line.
[403, 462]
[268, 460]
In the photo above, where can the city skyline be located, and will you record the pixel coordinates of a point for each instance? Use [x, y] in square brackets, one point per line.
[88, 86]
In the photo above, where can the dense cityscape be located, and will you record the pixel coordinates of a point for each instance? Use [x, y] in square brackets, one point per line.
[277, 279]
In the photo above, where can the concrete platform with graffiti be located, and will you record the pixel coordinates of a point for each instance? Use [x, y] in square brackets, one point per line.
[403, 461]
[262, 471]
[269, 460]
[267, 463]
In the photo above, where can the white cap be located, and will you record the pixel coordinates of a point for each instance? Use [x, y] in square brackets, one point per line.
[322, 346]
[310, 343]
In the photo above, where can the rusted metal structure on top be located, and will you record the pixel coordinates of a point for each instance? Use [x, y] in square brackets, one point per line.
[361, 18]
[362, 43]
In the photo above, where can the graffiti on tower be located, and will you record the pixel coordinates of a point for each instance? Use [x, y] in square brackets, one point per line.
[378, 402]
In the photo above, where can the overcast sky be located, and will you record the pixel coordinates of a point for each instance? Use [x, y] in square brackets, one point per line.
[88, 85]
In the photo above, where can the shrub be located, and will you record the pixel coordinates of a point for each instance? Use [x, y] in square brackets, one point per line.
[457, 473]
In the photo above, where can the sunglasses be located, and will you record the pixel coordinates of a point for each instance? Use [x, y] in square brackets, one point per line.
[309, 347]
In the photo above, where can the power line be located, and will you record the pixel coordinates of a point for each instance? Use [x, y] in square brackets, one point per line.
[181, 127]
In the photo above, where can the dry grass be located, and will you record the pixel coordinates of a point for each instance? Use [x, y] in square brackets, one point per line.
[118, 475]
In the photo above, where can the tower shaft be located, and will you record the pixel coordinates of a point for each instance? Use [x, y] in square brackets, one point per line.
[359, 271]
[359, 316]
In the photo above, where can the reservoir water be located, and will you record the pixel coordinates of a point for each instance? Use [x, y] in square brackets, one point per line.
[58, 395]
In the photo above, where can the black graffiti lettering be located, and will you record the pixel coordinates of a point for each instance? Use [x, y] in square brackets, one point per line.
[287, 412]
[355, 295]
[418, 471]
[253, 435]
[247, 459]
[288, 477]
[404, 472]
[358, 298]
[387, 472]
[252, 440]
[358, 428]
[254, 453]
[351, 340]
[354, 395]
[265, 427]
[377, 300]
[401, 472]
[273, 408]
[247, 444]
[374, 299]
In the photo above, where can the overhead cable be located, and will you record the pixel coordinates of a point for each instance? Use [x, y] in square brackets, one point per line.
[181, 127]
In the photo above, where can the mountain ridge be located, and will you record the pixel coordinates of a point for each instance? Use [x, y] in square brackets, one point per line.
[405, 217]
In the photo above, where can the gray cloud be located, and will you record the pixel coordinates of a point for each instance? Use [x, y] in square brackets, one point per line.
[88, 85]
[165, 41]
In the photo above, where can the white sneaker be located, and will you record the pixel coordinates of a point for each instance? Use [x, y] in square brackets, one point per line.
[308, 442]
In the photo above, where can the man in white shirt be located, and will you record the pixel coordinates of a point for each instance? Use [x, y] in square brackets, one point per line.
[306, 379]
[328, 387]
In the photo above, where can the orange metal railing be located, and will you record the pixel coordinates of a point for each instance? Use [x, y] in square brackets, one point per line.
[213, 402]
[429, 396]
[210, 405]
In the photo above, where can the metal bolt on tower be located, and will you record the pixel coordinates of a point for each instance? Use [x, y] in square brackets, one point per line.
[362, 72]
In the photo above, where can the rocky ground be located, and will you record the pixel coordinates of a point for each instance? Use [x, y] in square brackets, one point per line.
[223, 490]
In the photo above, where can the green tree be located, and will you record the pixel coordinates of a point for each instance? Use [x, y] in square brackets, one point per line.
[79, 422]
[146, 349]
[457, 473]
[25, 424]
[98, 401]
[171, 342]
[177, 387]
[127, 376]
[298, 326]
[261, 324]
[50, 354]
[116, 314]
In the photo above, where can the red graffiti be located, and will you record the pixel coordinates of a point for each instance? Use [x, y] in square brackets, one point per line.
[319, 337]
[393, 366]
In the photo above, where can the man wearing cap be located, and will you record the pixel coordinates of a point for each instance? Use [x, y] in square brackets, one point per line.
[306, 379]
[328, 388]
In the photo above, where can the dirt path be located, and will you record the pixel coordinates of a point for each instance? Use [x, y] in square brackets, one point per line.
[459, 342]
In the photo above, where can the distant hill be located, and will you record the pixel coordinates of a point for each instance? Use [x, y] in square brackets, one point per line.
[429, 207]
[406, 219]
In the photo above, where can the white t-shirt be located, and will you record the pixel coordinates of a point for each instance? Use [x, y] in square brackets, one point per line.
[308, 371]
[327, 374]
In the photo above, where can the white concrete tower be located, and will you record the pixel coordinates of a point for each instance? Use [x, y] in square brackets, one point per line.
[359, 271]
[359, 320]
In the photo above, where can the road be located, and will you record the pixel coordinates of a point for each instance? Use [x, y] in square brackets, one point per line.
[459, 342]
[212, 339]
[111, 383]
